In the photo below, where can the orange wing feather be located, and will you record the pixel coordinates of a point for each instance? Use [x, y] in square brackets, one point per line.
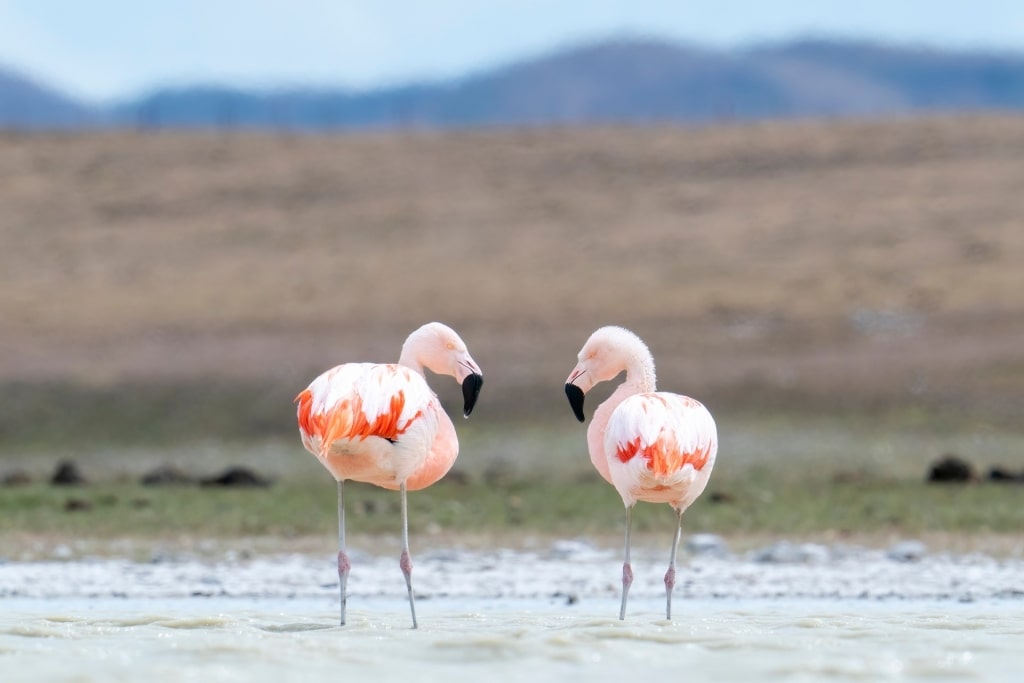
[328, 414]
[664, 456]
[662, 448]
[309, 422]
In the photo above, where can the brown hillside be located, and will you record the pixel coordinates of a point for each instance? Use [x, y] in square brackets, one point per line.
[848, 263]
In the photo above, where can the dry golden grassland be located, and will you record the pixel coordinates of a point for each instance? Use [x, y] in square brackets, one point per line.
[825, 267]
[847, 297]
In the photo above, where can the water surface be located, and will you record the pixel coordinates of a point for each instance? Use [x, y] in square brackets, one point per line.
[789, 612]
[230, 639]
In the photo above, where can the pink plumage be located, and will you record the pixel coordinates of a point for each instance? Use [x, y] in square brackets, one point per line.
[381, 424]
[652, 446]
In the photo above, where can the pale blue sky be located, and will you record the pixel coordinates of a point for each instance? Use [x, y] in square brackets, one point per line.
[102, 49]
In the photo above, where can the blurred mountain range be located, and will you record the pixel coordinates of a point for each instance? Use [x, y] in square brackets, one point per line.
[621, 81]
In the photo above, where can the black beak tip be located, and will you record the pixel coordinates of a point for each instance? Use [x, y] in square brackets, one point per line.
[575, 395]
[470, 391]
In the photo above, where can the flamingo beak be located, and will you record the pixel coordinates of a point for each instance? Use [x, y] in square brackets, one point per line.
[575, 395]
[470, 391]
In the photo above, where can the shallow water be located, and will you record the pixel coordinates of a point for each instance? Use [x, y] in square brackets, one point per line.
[232, 639]
[790, 612]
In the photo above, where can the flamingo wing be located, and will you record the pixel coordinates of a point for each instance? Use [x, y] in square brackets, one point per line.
[383, 416]
[660, 447]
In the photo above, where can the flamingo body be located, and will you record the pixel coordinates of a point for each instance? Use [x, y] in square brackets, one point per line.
[381, 424]
[377, 423]
[660, 448]
[652, 446]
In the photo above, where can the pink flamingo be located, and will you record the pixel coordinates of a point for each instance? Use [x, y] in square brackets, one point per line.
[650, 445]
[381, 424]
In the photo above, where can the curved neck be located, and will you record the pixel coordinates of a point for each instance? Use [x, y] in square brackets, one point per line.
[639, 379]
[640, 375]
[410, 357]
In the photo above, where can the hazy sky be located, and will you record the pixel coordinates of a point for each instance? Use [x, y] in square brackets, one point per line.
[104, 49]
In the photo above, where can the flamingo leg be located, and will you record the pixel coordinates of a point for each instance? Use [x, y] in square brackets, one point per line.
[406, 561]
[627, 569]
[670, 575]
[343, 563]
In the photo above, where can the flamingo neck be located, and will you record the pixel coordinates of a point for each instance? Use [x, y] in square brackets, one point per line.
[411, 354]
[640, 379]
[639, 367]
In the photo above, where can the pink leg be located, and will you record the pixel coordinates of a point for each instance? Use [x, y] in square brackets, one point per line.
[627, 569]
[406, 561]
[343, 563]
[670, 575]
[343, 569]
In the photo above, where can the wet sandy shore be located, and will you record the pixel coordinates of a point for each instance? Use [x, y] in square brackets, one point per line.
[568, 570]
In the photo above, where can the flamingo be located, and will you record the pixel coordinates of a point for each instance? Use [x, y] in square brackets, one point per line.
[650, 445]
[381, 424]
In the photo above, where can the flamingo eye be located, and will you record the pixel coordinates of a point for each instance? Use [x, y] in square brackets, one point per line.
[450, 346]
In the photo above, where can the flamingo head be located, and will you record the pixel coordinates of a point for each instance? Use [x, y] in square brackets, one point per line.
[439, 348]
[608, 352]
